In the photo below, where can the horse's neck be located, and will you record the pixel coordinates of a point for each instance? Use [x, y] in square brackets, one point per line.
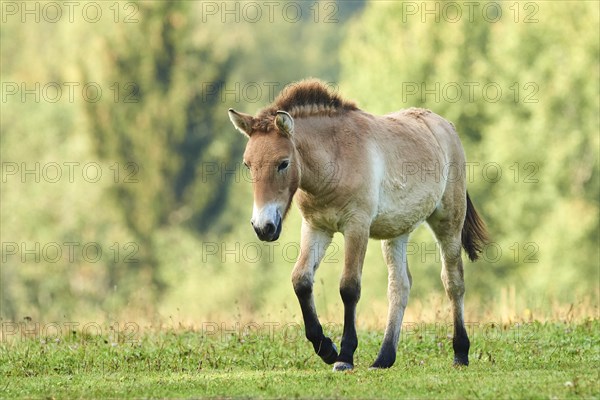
[314, 138]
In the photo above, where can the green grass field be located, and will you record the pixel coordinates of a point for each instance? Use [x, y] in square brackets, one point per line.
[527, 360]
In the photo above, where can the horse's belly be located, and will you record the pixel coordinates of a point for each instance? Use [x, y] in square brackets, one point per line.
[387, 226]
[398, 215]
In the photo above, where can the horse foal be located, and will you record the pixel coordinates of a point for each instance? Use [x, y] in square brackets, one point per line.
[365, 176]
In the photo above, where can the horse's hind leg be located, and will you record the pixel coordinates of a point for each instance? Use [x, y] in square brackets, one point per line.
[447, 227]
[399, 282]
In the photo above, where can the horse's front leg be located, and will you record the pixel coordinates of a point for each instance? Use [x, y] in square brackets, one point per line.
[313, 245]
[355, 244]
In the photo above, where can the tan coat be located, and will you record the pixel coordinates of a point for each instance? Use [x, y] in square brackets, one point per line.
[365, 176]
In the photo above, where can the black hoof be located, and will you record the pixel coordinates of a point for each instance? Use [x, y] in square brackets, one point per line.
[328, 351]
[342, 366]
[380, 365]
[385, 359]
[461, 360]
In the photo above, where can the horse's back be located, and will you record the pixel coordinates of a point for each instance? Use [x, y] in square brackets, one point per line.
[418, 155]
[436, 139]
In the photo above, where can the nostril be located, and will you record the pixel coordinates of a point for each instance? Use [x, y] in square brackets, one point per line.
[269, 229]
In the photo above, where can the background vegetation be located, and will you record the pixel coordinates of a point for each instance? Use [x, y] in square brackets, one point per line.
[123, 198]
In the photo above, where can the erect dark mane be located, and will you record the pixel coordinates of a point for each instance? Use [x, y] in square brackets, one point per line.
[302, 99]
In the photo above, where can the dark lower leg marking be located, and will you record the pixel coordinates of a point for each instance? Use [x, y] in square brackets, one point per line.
[460, 344]
[350, 295]
[324, 348]
[386, 357]
[322, 345]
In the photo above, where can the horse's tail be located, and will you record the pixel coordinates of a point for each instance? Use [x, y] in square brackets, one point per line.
[474, 233]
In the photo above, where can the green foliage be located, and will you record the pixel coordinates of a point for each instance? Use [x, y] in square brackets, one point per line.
[163, 130]
[39, 211]
[166, 122]
[171, 188]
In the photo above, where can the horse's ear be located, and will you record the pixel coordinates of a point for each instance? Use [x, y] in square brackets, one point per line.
[285, 123]
[241, 121]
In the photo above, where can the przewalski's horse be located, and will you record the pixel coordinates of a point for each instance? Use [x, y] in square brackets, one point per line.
[364, 176]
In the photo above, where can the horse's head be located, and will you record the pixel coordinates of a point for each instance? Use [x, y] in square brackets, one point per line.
[270, 156]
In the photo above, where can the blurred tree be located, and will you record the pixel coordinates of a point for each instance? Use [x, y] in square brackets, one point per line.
[159, 127]
[37, 211]
[161, 130]
[306, 48]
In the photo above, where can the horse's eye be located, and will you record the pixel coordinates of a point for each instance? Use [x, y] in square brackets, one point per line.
[283, 165]
[246, 165]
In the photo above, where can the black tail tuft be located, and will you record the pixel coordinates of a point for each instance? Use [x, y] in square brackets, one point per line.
[474, 233]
